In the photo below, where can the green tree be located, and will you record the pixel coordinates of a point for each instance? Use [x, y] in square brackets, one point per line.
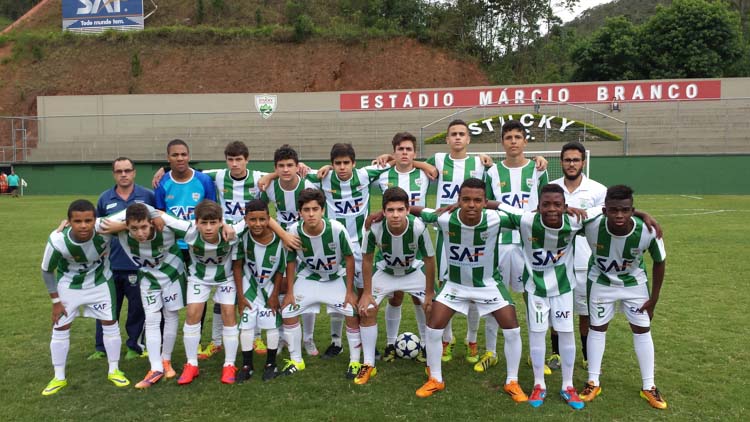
[14, 9]
[610, 53]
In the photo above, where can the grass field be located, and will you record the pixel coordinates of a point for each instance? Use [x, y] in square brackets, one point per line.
[700, 331]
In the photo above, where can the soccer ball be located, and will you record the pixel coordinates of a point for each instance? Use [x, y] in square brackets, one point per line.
[407, 345]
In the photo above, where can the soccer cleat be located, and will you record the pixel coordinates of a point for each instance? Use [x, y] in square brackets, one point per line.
[654, 398]
[259, 347]
[515, 392]
[134, 354]
[431, 387]
[117, 377]
[169, 372]
[97, 355]
[270, 372]
[291, 367]
[189, 373]
[537, 396]
[54, 386]
[151, 378]
[547, 371]
[472, 352]
[553, 362]
[310, 347]
[352, 370]
[590, 391]
[571, 397]
[389, 354]
[448, 350]
[244, 374]
[487, 361]
[208, 351]
[365, 373]
[229, 374]
[332, 351]
[422, 356]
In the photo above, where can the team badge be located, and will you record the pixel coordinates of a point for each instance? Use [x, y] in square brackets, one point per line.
[272, 259]
[529, 183]
[475, 173]
[332, 245]
[418, 182]
[635, 251]
[265, 104]
[412, 246]
[484, 235]
[196, 196]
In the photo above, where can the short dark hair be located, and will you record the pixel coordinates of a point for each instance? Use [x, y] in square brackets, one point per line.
[395, 194]
[208, 210]
[619, 192]
[401, 137]
[511, 125]
[235, 149]
[575, 145]
[137, 212]
[342, 150]
[174, 142]
[255, 205]
[311, 194]
[474, 183]
[122, 159]
[80, 205]
[285, 152]
[552, 188]
[456, 122]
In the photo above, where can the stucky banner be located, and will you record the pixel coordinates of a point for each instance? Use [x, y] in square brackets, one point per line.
[525, 94]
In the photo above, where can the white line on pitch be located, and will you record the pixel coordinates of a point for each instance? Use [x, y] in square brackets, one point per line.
[691, 197]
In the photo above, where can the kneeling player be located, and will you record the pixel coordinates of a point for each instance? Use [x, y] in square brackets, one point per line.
[401, 238]
[618, 242]
[258, 272]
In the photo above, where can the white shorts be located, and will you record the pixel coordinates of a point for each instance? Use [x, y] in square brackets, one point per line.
[310, 294]
[226, 293]
[541, 311]
[510, 264]
[260, 316]
[603, 300]
[581, 305]
[171, 297]
[358, 281]
[97, 302]
[487, 299]
[384, 285]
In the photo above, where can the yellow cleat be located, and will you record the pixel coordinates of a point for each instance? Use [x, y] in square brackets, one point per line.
[654, 398]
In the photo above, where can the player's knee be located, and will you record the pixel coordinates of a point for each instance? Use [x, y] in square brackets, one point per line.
[109, 322]
[600, 328]
[636, 329]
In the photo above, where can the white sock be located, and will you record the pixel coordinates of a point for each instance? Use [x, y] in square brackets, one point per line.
[246, 340]
[337, 326]
[355, 343]
[308, 326]
[231, 340]
[58, 347]
[537, 349]
[217, 328]
[392, 322]
[272, 338]
[567, 344]
[434, 352]
[513, 349]
[293, 337]
[472, 324]
[112, 344]
[447, 332]
[421, 321]
[369, 340]
[191, 336]
[169, 337]
[490, 334]
[153, 340]
[644, 351]
[595, 345]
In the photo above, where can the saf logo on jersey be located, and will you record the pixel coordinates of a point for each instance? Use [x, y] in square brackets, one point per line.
[154, 262]
[612, 266]
[449, 191]
[288, 216]
[210, 260]
[345, 207]
[515, 200]
[414, 198]
[543, 257]
[324, 264]
[398, 261]
[183, 213]
[170, 298]
[233, 208]
[465, 254]
[562, 314]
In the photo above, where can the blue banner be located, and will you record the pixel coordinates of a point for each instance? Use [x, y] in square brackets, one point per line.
[100, 15]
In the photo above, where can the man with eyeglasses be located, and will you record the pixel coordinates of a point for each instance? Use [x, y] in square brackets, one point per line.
[580, 192]
[124, 272]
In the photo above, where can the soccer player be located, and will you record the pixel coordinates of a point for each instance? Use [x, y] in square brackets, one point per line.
[619, 241]
[258, 267]
[321, 279]
[405, 249]
[580, 192]
[470, 235]
[76, 271]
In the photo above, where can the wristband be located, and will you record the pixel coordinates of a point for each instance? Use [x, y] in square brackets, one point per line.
[56, 300]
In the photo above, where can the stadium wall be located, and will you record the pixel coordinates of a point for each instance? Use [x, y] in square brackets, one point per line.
[707, 174]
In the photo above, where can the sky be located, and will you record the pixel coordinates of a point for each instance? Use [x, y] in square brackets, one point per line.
[567, 16]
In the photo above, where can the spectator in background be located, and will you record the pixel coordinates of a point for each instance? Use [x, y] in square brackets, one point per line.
[615, 105]
[14, 181]
[3, 183]
[537, 105]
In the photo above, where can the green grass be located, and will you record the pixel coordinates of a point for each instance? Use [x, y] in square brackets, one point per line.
[700, 332]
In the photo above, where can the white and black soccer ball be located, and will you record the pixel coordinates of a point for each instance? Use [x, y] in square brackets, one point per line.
[407, 345]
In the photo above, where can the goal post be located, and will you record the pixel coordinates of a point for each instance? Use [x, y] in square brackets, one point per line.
[554, 169]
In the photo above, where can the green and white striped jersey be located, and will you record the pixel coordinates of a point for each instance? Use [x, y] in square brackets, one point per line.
[285, 201]
[415, 183]
[233, 194]
[260, 264]
[469, 252]
[78, 265]
[349, 201]
[618, 260]
[210, 263]
[322, 256]
[399, 255]
[453, 172]
[520, 187]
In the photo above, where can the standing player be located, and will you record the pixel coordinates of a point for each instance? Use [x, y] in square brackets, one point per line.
[404, 244]
[76, 271]
[580, 192]
[619, 241]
